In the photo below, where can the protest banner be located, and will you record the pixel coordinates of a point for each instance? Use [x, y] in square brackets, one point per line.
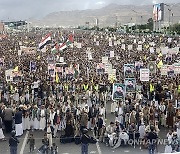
[32, 66]
[139, 48]
[128, 70]
[111, 54]
[163, 70]
[138, 65]
[118, 91]
[108, 68]
[170, 70]
[61, 59]
[130, 84]
[177, 68]
[51, 70]
[100, 69]
[104, 60]
[9, 75]
[152, 67]
[144, 74]
[112, 75]
[28, 50]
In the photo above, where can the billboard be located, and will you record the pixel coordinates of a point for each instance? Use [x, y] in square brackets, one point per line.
[158, 12]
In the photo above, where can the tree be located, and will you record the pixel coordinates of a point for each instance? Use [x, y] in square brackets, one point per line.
[150, 24]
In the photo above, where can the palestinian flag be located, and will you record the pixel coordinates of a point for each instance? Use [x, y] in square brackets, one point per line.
[66, 43]
[55, 49]
[45, 41]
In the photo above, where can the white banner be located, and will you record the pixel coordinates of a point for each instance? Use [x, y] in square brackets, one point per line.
[144, 74]
[111, 54]
[104, 60]
[108, 68]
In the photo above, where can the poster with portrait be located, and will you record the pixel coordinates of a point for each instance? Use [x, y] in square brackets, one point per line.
[100, 69]
[118, 91]
[130, 84]
[17, 76]
[9, 75]
[51, 70]
[170, 70]
[138, 65]
[129, 70]
[32, 66]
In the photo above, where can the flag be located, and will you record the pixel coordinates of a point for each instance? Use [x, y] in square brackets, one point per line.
[57, 78]
[16, 69]
[45, 41]
[67, 42]
[55, 48]
[160, 64]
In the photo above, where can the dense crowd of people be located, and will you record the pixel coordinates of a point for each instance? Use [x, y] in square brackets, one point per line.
[71, 101]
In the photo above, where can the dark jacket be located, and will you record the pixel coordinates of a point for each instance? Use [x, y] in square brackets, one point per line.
[18, 117]
[13, 141]
[85, 139]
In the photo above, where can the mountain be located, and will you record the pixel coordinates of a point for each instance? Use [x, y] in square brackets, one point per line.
[107, 16]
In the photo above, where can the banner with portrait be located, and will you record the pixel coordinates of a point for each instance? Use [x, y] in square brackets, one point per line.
[100, 69]
[9, 75]
[170, 70]
[138, 65]
[32, 66]
[118, 91]
[129, 70]
[130, 84]
[51, 70]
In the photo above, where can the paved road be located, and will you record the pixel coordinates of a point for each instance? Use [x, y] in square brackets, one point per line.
[71, 148]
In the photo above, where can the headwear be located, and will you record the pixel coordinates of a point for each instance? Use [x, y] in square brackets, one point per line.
[13, 133]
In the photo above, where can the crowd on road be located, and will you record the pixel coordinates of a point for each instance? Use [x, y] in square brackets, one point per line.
[68, 90]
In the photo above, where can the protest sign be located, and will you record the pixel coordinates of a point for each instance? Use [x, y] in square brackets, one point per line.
[129, 70]
[104, 60]
[108, 68]
[111, 54]
[9, 75]
[118, 91]
[130, 84]
[138, 65]
[163, 70]
[152, 67]
[32, 66]
[144, 74]
[100, 69]
[51, 70]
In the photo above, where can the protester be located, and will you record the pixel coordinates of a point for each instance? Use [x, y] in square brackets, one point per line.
[13, 143]
[72, 88]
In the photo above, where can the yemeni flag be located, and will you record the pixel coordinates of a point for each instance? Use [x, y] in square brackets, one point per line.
[55, 49]
[45, 41]
[67, 42]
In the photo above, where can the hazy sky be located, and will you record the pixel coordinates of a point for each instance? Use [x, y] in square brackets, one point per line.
[25, 9]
